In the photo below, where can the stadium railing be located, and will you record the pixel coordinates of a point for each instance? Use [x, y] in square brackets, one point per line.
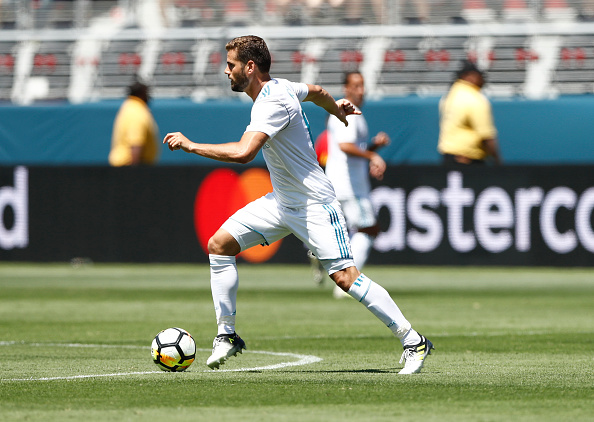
[83, 50]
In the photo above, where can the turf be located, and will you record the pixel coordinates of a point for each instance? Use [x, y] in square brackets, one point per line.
[511, 344]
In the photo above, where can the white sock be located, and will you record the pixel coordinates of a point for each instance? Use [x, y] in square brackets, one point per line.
[380, 304]
[224, 281]
[360, 245]
[411, 338]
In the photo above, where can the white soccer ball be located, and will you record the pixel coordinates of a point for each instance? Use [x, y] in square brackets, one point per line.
[173, 350]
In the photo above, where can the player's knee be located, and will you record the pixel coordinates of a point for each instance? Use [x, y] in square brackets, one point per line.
[214, 247]
[222, 243]
[345, 278]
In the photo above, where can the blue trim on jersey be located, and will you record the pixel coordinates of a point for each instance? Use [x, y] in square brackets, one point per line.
[334, 220]
[308, 128]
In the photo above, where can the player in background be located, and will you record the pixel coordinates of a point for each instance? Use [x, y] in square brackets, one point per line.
[351, 160]
[467, 133]
[135, 137]
[302, 201]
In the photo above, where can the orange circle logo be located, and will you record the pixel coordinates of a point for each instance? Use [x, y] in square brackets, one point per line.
[221, 194]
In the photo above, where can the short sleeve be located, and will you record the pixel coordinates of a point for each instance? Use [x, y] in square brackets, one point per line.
[301, 90]
[482, 117]
[268, 116]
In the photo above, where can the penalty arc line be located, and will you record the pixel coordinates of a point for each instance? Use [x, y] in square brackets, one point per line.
[301, 360]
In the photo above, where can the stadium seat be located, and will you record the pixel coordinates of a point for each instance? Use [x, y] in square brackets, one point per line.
[395, 57]
[476, 11]
[52, 62]
[129, 62]
[7, 62]
[558, 10]
[517, 11]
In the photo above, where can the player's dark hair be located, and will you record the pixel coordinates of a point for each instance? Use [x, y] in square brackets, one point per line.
[251, 47]
[466, 67]
[346, 76]
[138, 89]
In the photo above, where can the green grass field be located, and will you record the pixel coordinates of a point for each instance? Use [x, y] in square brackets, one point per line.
[511, 345]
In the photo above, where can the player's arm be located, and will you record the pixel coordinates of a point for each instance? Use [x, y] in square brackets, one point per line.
[243, 151]
[491, 147]
[481, 117]
[380, 140]
[341, 108]
[377, 165]
[136, 155]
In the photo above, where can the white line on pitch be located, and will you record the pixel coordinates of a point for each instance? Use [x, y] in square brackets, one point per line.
[301, 360]
[73, 377]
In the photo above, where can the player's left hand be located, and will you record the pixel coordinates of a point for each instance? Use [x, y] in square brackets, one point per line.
[377, 167]
[176, 140]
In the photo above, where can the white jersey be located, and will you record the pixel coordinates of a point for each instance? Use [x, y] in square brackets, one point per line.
[348, 174]
[297, 178]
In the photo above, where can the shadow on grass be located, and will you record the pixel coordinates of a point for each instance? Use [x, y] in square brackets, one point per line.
[357, 371]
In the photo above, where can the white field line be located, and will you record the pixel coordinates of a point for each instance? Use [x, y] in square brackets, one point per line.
[301, 360]
[116, 374]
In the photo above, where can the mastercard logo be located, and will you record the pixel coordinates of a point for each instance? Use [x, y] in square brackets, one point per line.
[221, 194]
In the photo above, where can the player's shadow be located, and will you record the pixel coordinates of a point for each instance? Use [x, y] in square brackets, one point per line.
[365, 371]
[358, 371]
[340, 371]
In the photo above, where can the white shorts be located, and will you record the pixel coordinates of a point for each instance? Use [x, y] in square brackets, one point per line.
[321, 227]
[359, 213]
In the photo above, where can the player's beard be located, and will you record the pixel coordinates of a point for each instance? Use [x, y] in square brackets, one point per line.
[240, 83]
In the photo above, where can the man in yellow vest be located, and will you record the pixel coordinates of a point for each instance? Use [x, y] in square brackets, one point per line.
[467, 134]
[135, 137]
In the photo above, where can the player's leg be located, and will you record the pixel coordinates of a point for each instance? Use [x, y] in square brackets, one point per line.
[317, 271]
[361, 244]
[224, 281]
[328, 240]
[379, 302]
[361, 221]
[257, 223]
[359, 216]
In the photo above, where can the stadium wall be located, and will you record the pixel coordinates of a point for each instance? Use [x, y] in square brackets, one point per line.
[555, 131]
[515, 215]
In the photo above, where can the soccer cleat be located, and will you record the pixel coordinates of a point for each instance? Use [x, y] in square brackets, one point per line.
[317, 269]
[414, 356]
[223, 347]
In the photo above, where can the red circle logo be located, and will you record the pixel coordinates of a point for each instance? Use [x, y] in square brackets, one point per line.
[221, 194]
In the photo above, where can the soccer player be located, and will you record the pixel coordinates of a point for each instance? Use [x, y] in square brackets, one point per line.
[351, 159]
[302, 201]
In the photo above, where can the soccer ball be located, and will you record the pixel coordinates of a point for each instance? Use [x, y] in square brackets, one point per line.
[173, 350]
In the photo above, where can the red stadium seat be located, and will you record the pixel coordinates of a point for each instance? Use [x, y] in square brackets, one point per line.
[45, 62]
[395, 56]
[6, 62]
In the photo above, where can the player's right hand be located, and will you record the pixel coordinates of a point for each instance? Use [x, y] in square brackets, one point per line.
[345, 108]
[381, 139]
[176, 140]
